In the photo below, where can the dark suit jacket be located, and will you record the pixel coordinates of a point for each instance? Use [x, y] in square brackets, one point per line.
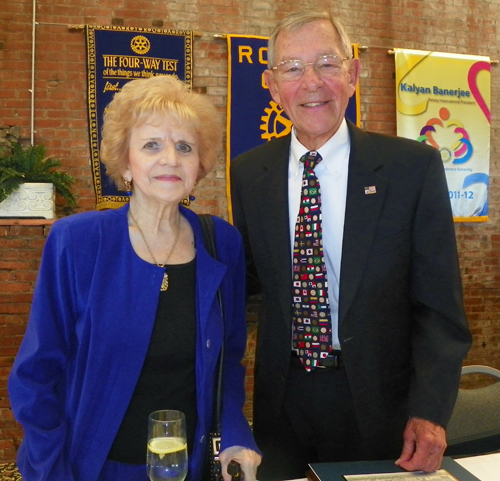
[402, 326]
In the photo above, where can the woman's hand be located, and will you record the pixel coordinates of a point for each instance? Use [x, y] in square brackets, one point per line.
[247, 459]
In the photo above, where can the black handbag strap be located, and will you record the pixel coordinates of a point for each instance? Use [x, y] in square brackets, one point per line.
[207, 227]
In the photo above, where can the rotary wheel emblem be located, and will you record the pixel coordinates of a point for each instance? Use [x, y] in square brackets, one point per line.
[275, 124]
[140, 45]
[446, 154]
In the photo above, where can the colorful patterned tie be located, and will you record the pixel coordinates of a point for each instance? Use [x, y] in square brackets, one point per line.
[312, 326]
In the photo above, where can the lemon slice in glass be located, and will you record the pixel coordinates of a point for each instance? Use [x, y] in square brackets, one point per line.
[162, 446]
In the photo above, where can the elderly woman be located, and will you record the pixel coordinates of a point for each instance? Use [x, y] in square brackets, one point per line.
[125, 318]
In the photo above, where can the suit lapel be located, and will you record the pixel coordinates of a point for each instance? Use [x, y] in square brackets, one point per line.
[271, 191]
[365, 196]
[209, 272]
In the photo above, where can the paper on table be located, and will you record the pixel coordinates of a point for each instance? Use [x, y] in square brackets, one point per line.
[485, 467]
[441, 475]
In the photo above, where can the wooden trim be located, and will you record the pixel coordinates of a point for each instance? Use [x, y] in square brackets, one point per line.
[27, 222]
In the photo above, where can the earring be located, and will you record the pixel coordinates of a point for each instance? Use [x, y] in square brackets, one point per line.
[128, 184]
[191, 195]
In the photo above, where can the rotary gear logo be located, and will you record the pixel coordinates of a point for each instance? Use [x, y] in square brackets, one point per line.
[275, 124]
[140, 45]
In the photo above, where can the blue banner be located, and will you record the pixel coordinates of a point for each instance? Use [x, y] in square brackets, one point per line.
[116, 55]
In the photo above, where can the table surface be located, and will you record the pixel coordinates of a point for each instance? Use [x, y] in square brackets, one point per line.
[485, 467]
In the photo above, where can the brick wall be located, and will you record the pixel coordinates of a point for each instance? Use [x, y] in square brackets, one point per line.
[20, 251]
[60, 121]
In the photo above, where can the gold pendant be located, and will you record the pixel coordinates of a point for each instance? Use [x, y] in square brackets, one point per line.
[164, 283]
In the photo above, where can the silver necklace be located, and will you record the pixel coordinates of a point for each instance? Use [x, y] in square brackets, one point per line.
[164, 282]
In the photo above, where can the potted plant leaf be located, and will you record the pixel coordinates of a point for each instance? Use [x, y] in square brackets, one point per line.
[28, 178]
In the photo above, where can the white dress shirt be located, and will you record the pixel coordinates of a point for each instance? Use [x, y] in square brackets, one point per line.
[332, 174]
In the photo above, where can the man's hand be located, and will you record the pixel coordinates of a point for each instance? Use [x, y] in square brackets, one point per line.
[247, 459]
[424, 445]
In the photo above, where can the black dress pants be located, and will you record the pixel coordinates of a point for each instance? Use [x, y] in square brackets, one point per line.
[317, 424]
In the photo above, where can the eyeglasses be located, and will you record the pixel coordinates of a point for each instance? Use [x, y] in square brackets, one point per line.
[326, 66]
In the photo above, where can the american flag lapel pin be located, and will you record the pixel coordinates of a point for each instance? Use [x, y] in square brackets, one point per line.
[372, 189]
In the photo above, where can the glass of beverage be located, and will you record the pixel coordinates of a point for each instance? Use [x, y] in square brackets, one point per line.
[167, 446]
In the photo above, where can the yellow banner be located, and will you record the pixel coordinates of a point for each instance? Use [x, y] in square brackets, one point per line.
[444, 100]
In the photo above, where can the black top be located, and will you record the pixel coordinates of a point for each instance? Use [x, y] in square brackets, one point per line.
[168, 379]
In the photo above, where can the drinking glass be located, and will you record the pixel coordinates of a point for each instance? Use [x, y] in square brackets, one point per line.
[167, 446]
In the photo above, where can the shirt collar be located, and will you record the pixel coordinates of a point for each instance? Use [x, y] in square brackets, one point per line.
[335, 152]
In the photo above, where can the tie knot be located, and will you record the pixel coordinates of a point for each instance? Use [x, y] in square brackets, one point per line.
[311, 159]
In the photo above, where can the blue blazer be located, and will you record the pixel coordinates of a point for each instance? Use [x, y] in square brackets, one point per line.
[91, 320]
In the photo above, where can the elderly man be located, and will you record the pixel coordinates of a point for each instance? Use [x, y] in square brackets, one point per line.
[349, 237]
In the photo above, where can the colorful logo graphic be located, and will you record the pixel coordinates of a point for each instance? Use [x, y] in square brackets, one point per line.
[276, 124]
[449, 137]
